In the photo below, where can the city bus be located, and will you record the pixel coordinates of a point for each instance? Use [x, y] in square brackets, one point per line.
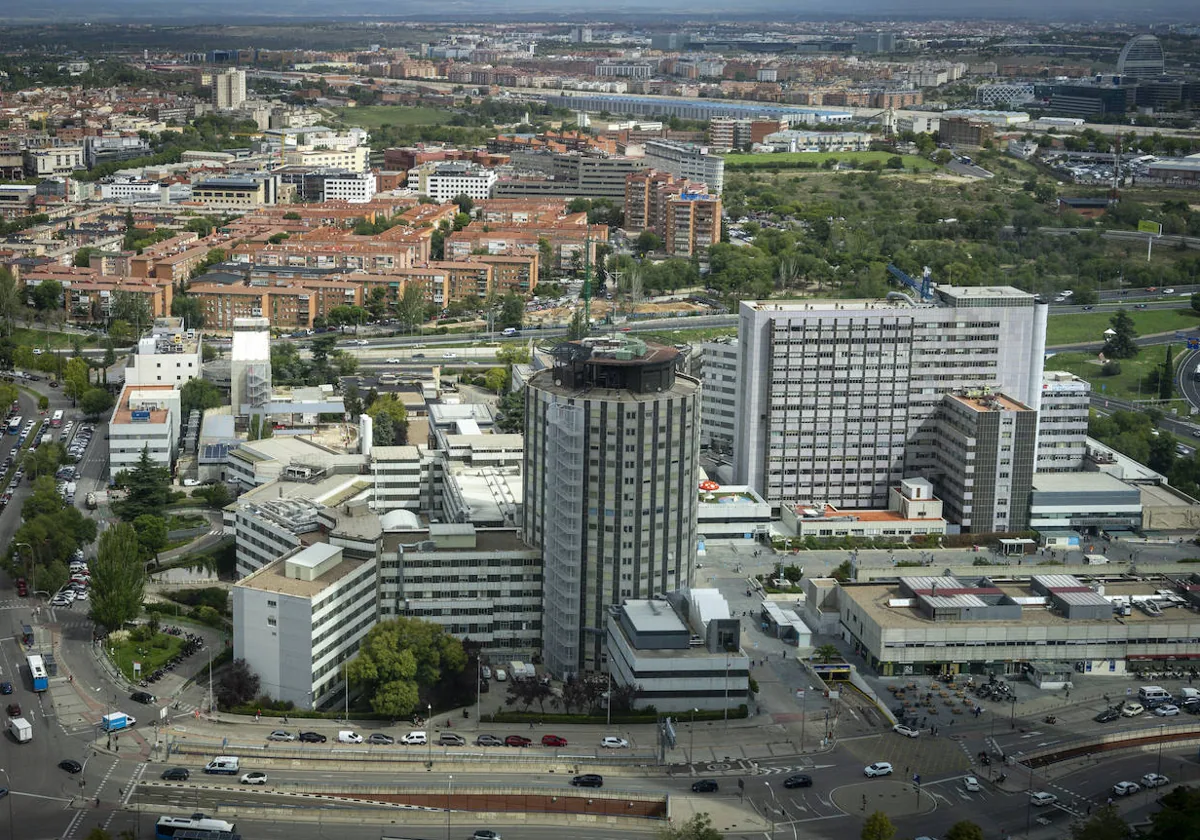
[56, 419]
[14, 425]
[195, 827]
[37, 672]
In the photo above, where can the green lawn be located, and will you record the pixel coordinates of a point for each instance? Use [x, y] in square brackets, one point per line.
[743, 161]
[152, 654]
[1076, 329]
[1132, 383]
[44, 339]
[374, 116]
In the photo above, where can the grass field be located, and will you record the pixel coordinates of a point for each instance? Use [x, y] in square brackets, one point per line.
[47, 340]
[740, 161]
[152, 655]
[1132, 383]
[1076, 329]
[374, 116]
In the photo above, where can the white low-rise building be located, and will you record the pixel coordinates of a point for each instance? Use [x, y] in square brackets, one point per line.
[446, 181]
[682, 652]
[357, 188]
[479, 583]
[818, 141]
[127, 189]
[299, 619]
[146, 419]
[170, 355]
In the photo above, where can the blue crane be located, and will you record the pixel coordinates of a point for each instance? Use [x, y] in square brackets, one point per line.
[922, 288]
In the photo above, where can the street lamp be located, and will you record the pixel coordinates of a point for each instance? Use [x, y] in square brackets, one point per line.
[727, 691]
[449, 786]
[1012, 711]
[429, 730]
[692, 737]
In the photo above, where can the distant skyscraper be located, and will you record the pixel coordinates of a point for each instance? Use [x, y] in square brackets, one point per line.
[229, 89]
[611, 449]
[874, 42]
[1141, 58]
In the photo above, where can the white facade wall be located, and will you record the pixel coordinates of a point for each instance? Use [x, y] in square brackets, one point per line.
[354, 160]
[163, 368]
[684, 161]
[399, 474]
[1063, 422]
[296, 643]
[124, 190]
[446, 182]
[492, 597]
[127, 438]
[839, 395]
[691, 680]
[719, 396]
[259, 540]
[356, 190]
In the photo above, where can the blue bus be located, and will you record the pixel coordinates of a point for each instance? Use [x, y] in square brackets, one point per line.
[37, 672]
[195, 827]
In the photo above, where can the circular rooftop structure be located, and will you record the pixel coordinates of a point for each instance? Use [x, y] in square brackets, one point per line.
[400, 520]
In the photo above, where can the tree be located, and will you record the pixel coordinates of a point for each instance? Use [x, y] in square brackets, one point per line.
[76, 379]
[151, 535]
[511, 414]
[577, 329]
[827, 653]
[1123, 344]
[95, 402]
[188, 308]
[43, 461]
[400, 659]
[497, 379]
[512, 311]
[699, 827]
[878, 827]
[131, 308]
[47, 295]
[464, 202]
[110, 353]
[383, 430]
[1196, 302]
[237, 685]
[1178, 817]
[199, 395]
[216, 495]
[10, 301]
[1166, 377]
[23, 358]
[646, 242]
[147, 486]
[344, 363]
[410, 308]
[118, 578]
[388, 404]
[942, 156]
[120, 332]
[321, 347]
[842, 572]
[1104, 824]
[964, 830]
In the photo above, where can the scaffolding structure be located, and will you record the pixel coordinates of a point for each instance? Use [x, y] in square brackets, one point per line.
[563, 549]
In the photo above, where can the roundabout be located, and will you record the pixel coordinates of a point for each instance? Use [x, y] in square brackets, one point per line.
[894, 798]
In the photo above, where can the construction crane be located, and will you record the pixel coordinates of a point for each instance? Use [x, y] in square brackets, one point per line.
[922, 288]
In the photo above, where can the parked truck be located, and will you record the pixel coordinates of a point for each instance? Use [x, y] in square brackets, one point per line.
[20, 729]
[521, 671]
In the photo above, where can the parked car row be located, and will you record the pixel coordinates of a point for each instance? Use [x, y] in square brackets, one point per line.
[421, 738]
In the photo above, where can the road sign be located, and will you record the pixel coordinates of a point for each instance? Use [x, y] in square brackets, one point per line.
[1146, 226]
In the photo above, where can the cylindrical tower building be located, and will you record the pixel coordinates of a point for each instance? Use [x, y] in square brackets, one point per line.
[611, 445]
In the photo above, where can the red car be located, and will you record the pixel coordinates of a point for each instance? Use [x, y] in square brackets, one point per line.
[517, 741]
[553, 741]
[22, 587]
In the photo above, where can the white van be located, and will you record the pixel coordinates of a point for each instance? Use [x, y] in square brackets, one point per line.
[1189, 693]
[349, 736]
[1153, 692]
[223, 764]
[417, 738]
[1094, 559]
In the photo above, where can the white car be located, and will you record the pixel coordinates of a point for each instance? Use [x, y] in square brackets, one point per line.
[81, 595]
[258, 777]
[361, 342]
[971, 783]
[449, 355]
[906, 731]
[415, 739]
[485, 672]
[1168, 291]
[1125, 788]
[611, 742]
[1167, 710]
[1153, 780]
[1041, 798]
[501, 675]
[879, 768]
[392, 361]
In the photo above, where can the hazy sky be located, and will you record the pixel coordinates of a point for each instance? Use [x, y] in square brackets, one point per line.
[1174, 11]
